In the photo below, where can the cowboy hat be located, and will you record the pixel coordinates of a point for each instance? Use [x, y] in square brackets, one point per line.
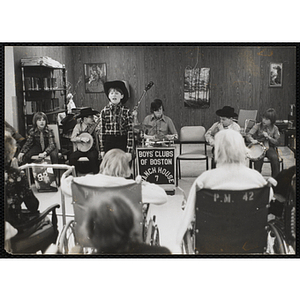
[227, 112]
[87, 111]
[118, 84]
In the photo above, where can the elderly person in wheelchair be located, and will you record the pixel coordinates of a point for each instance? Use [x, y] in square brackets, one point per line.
[231, 173]
[114, 171]
[26, 229]
[112, 227]
[16, 187]
[112, 179]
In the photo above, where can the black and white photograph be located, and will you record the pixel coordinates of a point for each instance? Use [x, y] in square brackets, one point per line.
[130, 169]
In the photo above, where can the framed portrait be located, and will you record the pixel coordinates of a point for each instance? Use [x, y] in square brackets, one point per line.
[94, 77]
[275, 75]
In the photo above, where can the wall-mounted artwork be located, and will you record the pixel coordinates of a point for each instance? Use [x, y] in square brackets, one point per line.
[275, 75]
[94, 77]
[196, 87]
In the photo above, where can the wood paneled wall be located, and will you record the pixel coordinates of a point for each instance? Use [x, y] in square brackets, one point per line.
[239, 76]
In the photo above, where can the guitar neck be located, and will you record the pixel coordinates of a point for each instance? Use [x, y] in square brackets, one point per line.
[93, 127]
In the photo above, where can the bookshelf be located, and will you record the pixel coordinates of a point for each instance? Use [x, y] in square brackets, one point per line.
[43, 87]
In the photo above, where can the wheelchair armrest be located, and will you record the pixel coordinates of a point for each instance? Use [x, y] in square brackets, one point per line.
[271, 182]
[40, 217]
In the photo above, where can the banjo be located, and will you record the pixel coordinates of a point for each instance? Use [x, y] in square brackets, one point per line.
[87, 144]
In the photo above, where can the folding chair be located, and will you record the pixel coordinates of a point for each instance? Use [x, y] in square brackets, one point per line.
[231, 222]
[62, 153]
[191, 135]
[245, 117]
[266, 160]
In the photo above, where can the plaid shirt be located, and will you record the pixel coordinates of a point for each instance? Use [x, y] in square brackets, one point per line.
[34, 139]
[115, 120]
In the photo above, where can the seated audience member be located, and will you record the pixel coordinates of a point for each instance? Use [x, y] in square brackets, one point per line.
[114, 171]
[40, 141]
[112, 226]
[267, 133]
[284, 180]
[17, 190]
[231, 173]
[161, 125]
[17, 136]
[226, 115]
[86, 125]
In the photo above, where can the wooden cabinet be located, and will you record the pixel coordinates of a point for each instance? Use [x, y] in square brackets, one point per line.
[44, 88]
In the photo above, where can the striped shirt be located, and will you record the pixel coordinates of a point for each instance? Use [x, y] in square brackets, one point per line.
[115, 120]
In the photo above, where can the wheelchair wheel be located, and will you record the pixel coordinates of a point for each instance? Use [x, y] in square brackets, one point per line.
[155, 237]
[279, 245]
[151, 233]
[67, 239]
[188, 242]
[290, 214]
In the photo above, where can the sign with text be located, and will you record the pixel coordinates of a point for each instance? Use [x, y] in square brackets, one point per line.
[156, 165]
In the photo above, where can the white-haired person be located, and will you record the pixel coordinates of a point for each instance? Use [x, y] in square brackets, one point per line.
[231, 173]
[115, 171]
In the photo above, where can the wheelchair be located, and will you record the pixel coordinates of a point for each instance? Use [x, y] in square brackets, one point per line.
[41, 228]
[233, 223]
[36, 234]
[72, 237]
[286, 223]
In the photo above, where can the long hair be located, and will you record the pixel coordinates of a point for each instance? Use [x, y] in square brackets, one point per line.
[38, 116]
[229, 147]
[115, 163]
[110, 224]
[10, 146]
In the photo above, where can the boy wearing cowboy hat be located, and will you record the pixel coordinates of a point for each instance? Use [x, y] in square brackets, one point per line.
[115, 127]
[84, 125]
[226, 115]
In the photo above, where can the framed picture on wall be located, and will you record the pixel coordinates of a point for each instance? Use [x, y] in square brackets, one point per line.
[94, 77]
[196, 87]
[275, 75]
